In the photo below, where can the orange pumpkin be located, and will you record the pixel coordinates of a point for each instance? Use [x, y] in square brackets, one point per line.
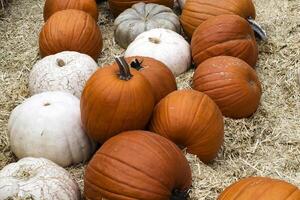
[118, 6]
[190, 119]
[260, 188]
[115, 99]
[52, 6]
[231, 83]
[158, 74]
[70, 30]
[227, 35]
[137, 165]
[197, 11]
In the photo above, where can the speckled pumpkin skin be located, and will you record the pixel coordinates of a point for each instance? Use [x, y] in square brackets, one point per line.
[65, 71]
[37, 178]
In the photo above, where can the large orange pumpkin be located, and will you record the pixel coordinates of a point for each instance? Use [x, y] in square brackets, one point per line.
[197, 11]
[158, 74]
[52, 6]
[190, 119]
[70, 30]
[231, 83]
[260, 188]
[137, 165]
[115, 99]
[118, 6]
[228, 35]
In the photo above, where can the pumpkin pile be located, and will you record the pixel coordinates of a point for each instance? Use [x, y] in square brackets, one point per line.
[131, 108]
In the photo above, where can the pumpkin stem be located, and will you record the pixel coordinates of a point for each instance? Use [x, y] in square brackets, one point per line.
[124, 68]
[179, 195]
[258, 30]
[154, 40]
[136, 64]
[60, 62]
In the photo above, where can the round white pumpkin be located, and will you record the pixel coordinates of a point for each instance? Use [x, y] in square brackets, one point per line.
[164, 45]
[65, 71]
[37, 178]
[49, 125]
[142, 17]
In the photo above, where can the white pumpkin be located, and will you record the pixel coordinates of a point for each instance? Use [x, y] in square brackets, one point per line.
[37, 178]
[49, 125]
[65, 71]
[142, 17]
[164, 45]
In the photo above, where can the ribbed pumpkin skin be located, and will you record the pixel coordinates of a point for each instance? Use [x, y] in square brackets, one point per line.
[190, 119]
[260, 188]
[160, 77]
[52, 6]
[70, 30]
[231, 83]
[224, 35]
[110, 105]
[118, 6]
[197, 11]
[136, 165]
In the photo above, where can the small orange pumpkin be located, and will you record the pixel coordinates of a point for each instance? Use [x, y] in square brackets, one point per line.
[70, 30]
[115, 99]
[197, 11]
[118, 6]
[231, 83]
[158, 74]
[137, 165]
[260, 188]
[52, 6]
[227, 35]
[190, 119]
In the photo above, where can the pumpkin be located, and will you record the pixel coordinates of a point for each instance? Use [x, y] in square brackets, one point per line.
[70, 30]
[260, 188]
[65, 71]
[37, 178]
[142, 17]
[52, 6]
[231, 83]
[224, 35]
[116, 98]
[161, 79]
[196, 12]
[118, 6]
[164, 45]
[47, 124]
[191, 120]
[137, 165]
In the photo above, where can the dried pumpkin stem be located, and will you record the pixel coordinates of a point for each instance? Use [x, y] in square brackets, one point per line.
[259, 31]
[136, 64]
[179, 195]
[60, 62]
[124, 68]
[154, 40]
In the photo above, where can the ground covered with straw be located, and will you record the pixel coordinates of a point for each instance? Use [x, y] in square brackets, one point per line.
[267, 144]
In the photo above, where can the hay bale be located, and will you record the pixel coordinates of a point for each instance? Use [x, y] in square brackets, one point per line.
[3, 3]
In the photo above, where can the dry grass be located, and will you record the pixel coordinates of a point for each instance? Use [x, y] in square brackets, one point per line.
[267, 144]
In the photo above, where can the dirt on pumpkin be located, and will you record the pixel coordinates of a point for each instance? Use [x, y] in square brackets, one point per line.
[267, 144]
